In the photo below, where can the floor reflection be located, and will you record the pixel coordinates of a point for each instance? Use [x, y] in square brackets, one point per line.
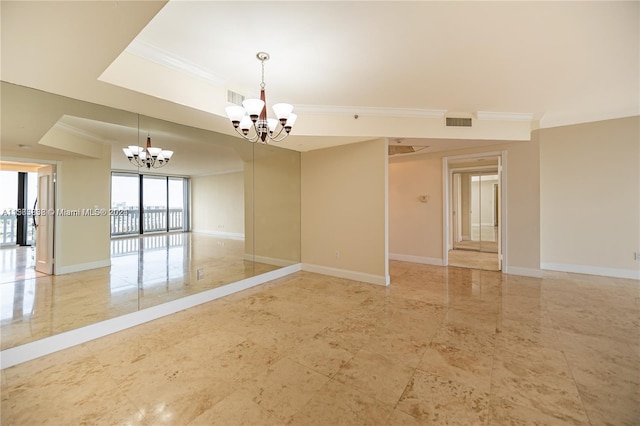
[438, 346]
[144, 272]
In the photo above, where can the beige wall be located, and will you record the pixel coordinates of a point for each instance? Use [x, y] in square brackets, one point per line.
[412, 224]
[590, 197]
[276, 190]
[272, 207]
[416, 229]
[82, 242]
[344, 194]
[217, 205]
[523, 204]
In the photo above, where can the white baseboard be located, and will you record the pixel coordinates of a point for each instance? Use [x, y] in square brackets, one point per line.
[525, 272]
[60, 270]
[221, 234]
[592, 270]
[350, 275]
[416, 259]
[268, 260]
[29, 351]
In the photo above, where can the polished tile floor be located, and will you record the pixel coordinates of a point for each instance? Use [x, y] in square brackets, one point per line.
[438, 346]
[474, 260]
[144, 272]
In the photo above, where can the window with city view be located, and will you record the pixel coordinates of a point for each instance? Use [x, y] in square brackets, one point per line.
[163, 200]
[10, 213]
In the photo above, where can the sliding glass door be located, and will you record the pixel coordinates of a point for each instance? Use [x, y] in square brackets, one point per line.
[125, 199]
[154, 204]
[148, 203]
[176, 201]
[17, 202]
[9, 206]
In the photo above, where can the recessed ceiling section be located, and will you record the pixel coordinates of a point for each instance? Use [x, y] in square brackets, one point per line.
[14, 166]
[405, 149]
[195, 153]
[172, 60]
[493, 64]
[170, 83]
[426, 145]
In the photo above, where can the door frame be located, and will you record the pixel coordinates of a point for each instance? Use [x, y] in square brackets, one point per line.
[45, 252]
[58, 190]
[447, 182]
[452, 172]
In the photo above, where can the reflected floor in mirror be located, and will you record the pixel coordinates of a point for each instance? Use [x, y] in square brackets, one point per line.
[474, 260]
[438, 346]
[144, 272]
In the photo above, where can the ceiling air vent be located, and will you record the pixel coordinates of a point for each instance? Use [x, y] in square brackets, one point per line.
[404, 149]
[458, 122]
[234, 98]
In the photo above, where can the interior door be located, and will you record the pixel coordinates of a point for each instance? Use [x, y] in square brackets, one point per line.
[45, 220]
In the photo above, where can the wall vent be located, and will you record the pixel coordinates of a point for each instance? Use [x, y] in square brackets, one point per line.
[458, 122]
[234, 98]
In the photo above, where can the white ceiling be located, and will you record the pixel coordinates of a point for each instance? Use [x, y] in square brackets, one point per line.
[393, 63]
[194, 161]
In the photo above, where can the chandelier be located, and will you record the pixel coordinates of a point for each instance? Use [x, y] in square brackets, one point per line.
[149, 157]
[251, 122]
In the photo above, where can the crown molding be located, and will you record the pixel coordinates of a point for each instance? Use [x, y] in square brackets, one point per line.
[550, 120]
[505, 116]
[370, 111]
[79, 132]
[408, 112]
[224, 172]
[163, 57]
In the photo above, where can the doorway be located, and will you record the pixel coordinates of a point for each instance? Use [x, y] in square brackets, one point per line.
[476, 198]
[473, 219]
[27, 220]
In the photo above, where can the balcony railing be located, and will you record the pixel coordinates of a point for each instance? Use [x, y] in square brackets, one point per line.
[127, 223]
[126, 246]
[9, 229]
[153, 220]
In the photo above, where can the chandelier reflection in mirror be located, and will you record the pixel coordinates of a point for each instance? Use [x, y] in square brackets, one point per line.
[251, 122]
[149, 156]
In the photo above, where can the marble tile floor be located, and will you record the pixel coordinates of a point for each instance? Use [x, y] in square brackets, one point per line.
[34, 306]
[474, 260]
[438, 346]
[17, 263]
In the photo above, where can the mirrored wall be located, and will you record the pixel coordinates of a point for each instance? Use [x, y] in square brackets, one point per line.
[127, 235]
